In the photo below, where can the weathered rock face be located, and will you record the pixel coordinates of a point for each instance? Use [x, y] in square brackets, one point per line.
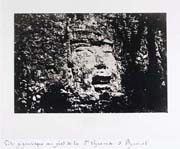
[96, 76]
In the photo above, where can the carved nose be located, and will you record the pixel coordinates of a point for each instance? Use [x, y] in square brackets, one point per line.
[101, 66]
[100, 62]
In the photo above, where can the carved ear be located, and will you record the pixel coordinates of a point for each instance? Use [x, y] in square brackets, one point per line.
[53, 67]
[70, 64]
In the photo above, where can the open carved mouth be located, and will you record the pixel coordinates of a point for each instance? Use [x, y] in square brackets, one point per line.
[101, 83]
[101, 79]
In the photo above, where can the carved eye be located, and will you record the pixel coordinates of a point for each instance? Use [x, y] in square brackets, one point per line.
[79, 50]
[107, 51]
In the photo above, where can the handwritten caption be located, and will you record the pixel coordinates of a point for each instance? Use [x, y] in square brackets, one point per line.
[67, 144]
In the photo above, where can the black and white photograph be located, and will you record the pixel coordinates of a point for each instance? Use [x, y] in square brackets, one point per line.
[89, 74]
[90, 63]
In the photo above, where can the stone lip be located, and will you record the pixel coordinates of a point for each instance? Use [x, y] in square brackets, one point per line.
[102, 88]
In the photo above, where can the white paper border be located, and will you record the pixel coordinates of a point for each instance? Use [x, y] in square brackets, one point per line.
[161, 129]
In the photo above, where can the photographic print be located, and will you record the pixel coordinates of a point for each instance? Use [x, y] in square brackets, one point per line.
[90, 62]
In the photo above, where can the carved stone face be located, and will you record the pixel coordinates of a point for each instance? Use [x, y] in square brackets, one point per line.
[95, 70]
